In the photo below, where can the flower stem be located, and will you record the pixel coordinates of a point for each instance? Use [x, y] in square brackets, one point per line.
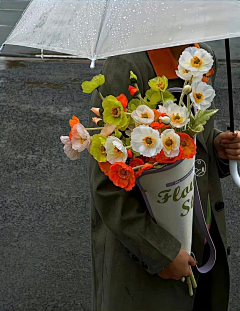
[183, 279]
[182, 95]
[137, 167]
[162, 97]
[100, 94]
[94, 128]
[190, 286]
[194, 283]
[128, 147]
[188, 103]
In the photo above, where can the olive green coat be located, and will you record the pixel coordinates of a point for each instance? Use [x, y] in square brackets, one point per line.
[128, 247]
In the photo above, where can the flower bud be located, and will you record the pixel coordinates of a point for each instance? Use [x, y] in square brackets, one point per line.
[187, 89]
[133, 77]
[165, 120]
[133, 90]
[98, 121]
[97, 111]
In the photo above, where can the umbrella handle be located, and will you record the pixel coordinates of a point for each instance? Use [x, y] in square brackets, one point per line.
[234, 172]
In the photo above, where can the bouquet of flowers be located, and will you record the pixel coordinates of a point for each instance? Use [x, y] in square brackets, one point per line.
[150, 132]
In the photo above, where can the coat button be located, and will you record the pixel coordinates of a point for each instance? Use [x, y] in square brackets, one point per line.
[145, 266]
[228, 250]
[219, 206]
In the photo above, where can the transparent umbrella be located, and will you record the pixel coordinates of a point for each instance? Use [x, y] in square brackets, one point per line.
[96, 29]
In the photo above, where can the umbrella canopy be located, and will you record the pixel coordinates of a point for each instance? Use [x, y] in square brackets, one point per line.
[101, 28]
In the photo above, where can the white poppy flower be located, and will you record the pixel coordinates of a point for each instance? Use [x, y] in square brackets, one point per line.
[161, 108]
[167, 104]
[202, 95]
[179, 115]
[171, 143]
[68, 150]
[80, 138]
[186, 74]
[195, 59]
[143, 115]
[146, 141]
[116, 152]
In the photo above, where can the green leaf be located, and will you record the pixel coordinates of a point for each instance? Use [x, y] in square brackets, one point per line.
[196, 123]
[89, 86]
[168, 96]
[133, 104]
[136, 154]
[152, 98]
[117, 134]
[128, 141]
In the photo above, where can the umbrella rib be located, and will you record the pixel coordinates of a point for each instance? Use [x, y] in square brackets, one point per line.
[100, 28]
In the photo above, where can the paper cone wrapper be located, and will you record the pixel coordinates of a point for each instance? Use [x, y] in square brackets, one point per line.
[168, 193]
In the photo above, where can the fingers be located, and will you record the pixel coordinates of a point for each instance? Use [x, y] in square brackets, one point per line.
[233, 145]
[191, 261]
[228, 135]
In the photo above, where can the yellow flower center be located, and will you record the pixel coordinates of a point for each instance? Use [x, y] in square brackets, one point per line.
[183, 144]
[161, 85]
[198, 97]
[186, 71]
[177, 118]
[148, 141]
[103, 150]
[124, 174]
[117, 151]
[196, 61]
[145, 115]
[82, 140]
[116, 112]
[168, 143]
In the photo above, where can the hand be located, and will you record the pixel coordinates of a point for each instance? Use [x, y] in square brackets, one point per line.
[227, 145]
[179, 267]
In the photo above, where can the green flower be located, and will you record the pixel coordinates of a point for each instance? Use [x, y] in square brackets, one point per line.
[90, 86]
[113, 112]
[158, 84]
[133, 77]
[97, 149]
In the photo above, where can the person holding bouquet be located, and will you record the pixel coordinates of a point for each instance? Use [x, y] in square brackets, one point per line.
[137, 265]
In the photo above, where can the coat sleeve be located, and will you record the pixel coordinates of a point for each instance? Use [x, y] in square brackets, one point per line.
[222, 165]
[124, 212]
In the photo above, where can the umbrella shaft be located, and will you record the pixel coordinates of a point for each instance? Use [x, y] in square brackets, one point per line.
[230, 89]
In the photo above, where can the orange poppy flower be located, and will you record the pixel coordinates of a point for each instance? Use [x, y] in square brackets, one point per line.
[147, 159]
[133, 90]
[122, 176]
[136, 162]
[155, 125]
[104, 167]
[146, 167]
[158, 114]
[74, 121]
[161, 158]
[123, 100]
[205, 79]
[210, 72]
[130, 154]
[188, 146]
